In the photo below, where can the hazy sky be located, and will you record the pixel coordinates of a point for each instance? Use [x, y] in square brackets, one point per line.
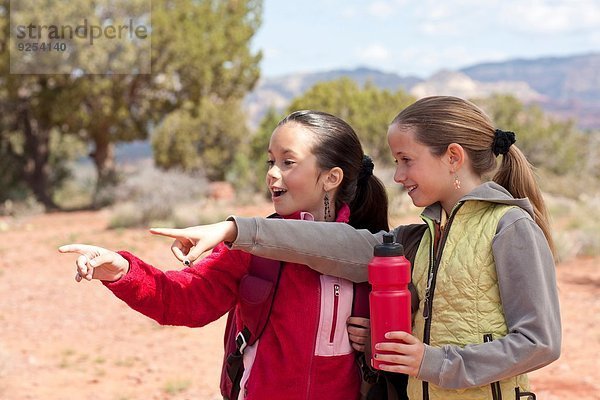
[420, 37]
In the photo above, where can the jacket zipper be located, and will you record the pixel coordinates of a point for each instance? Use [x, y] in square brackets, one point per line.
[496, 392]
[336, 301]
[434, 264]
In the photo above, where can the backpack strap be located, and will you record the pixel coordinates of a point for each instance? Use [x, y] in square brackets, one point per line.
[257, 291]
[247, 321]
[410, 238]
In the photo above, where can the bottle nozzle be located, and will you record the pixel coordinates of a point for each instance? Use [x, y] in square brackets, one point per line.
[388, 238]
[389, 247]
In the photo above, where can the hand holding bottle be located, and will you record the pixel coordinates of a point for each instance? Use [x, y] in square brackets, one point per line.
[403, 353]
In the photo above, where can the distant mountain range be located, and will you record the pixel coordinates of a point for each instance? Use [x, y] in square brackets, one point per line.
[567, 87]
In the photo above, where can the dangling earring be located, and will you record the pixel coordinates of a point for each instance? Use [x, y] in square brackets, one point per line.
[456, 182]
[327, 210]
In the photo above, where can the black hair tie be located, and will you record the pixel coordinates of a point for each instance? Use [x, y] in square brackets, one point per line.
[502, 141]
[366, 169]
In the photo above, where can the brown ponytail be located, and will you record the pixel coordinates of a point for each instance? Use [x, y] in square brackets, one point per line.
[369, 208]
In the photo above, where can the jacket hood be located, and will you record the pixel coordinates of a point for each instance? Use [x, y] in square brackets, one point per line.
[490, 192]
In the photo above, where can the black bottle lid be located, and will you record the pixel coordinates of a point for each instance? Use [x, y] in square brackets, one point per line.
[389, 248]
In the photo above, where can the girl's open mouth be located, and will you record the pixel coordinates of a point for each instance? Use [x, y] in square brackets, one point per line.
[278, 192]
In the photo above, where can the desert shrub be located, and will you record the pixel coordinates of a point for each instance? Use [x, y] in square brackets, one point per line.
[577, 231]
[149, 195]
[205, 212]
[21, 208]
[77, 192]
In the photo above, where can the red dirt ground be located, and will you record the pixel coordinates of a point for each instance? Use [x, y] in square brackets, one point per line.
[62, 340]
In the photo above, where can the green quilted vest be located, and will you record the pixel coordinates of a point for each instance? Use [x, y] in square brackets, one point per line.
[466, 300]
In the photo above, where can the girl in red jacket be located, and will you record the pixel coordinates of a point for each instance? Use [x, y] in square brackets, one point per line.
[317, 171]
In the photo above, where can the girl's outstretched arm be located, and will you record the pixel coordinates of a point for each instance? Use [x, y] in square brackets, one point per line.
[335, 249]
[194, 296]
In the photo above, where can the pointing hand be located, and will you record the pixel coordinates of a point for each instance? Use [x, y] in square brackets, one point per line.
[191, 242]
[96, 262]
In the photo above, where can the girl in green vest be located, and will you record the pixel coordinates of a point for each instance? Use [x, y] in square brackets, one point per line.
[484, 272]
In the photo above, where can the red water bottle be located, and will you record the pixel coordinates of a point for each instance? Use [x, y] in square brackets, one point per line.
[389, 300]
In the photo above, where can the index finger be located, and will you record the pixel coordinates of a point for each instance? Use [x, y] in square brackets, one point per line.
[169, 232]
[76, 248]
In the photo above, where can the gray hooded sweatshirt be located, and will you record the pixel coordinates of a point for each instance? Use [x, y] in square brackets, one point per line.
[526, 279]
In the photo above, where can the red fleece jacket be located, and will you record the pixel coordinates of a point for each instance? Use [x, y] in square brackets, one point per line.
[290, 362]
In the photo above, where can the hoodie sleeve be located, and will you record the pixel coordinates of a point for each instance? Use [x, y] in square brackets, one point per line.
[335, 249]
[527, 283]
[194, 296]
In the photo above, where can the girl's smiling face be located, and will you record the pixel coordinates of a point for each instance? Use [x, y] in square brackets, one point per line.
[293, 177]
[426, 177]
